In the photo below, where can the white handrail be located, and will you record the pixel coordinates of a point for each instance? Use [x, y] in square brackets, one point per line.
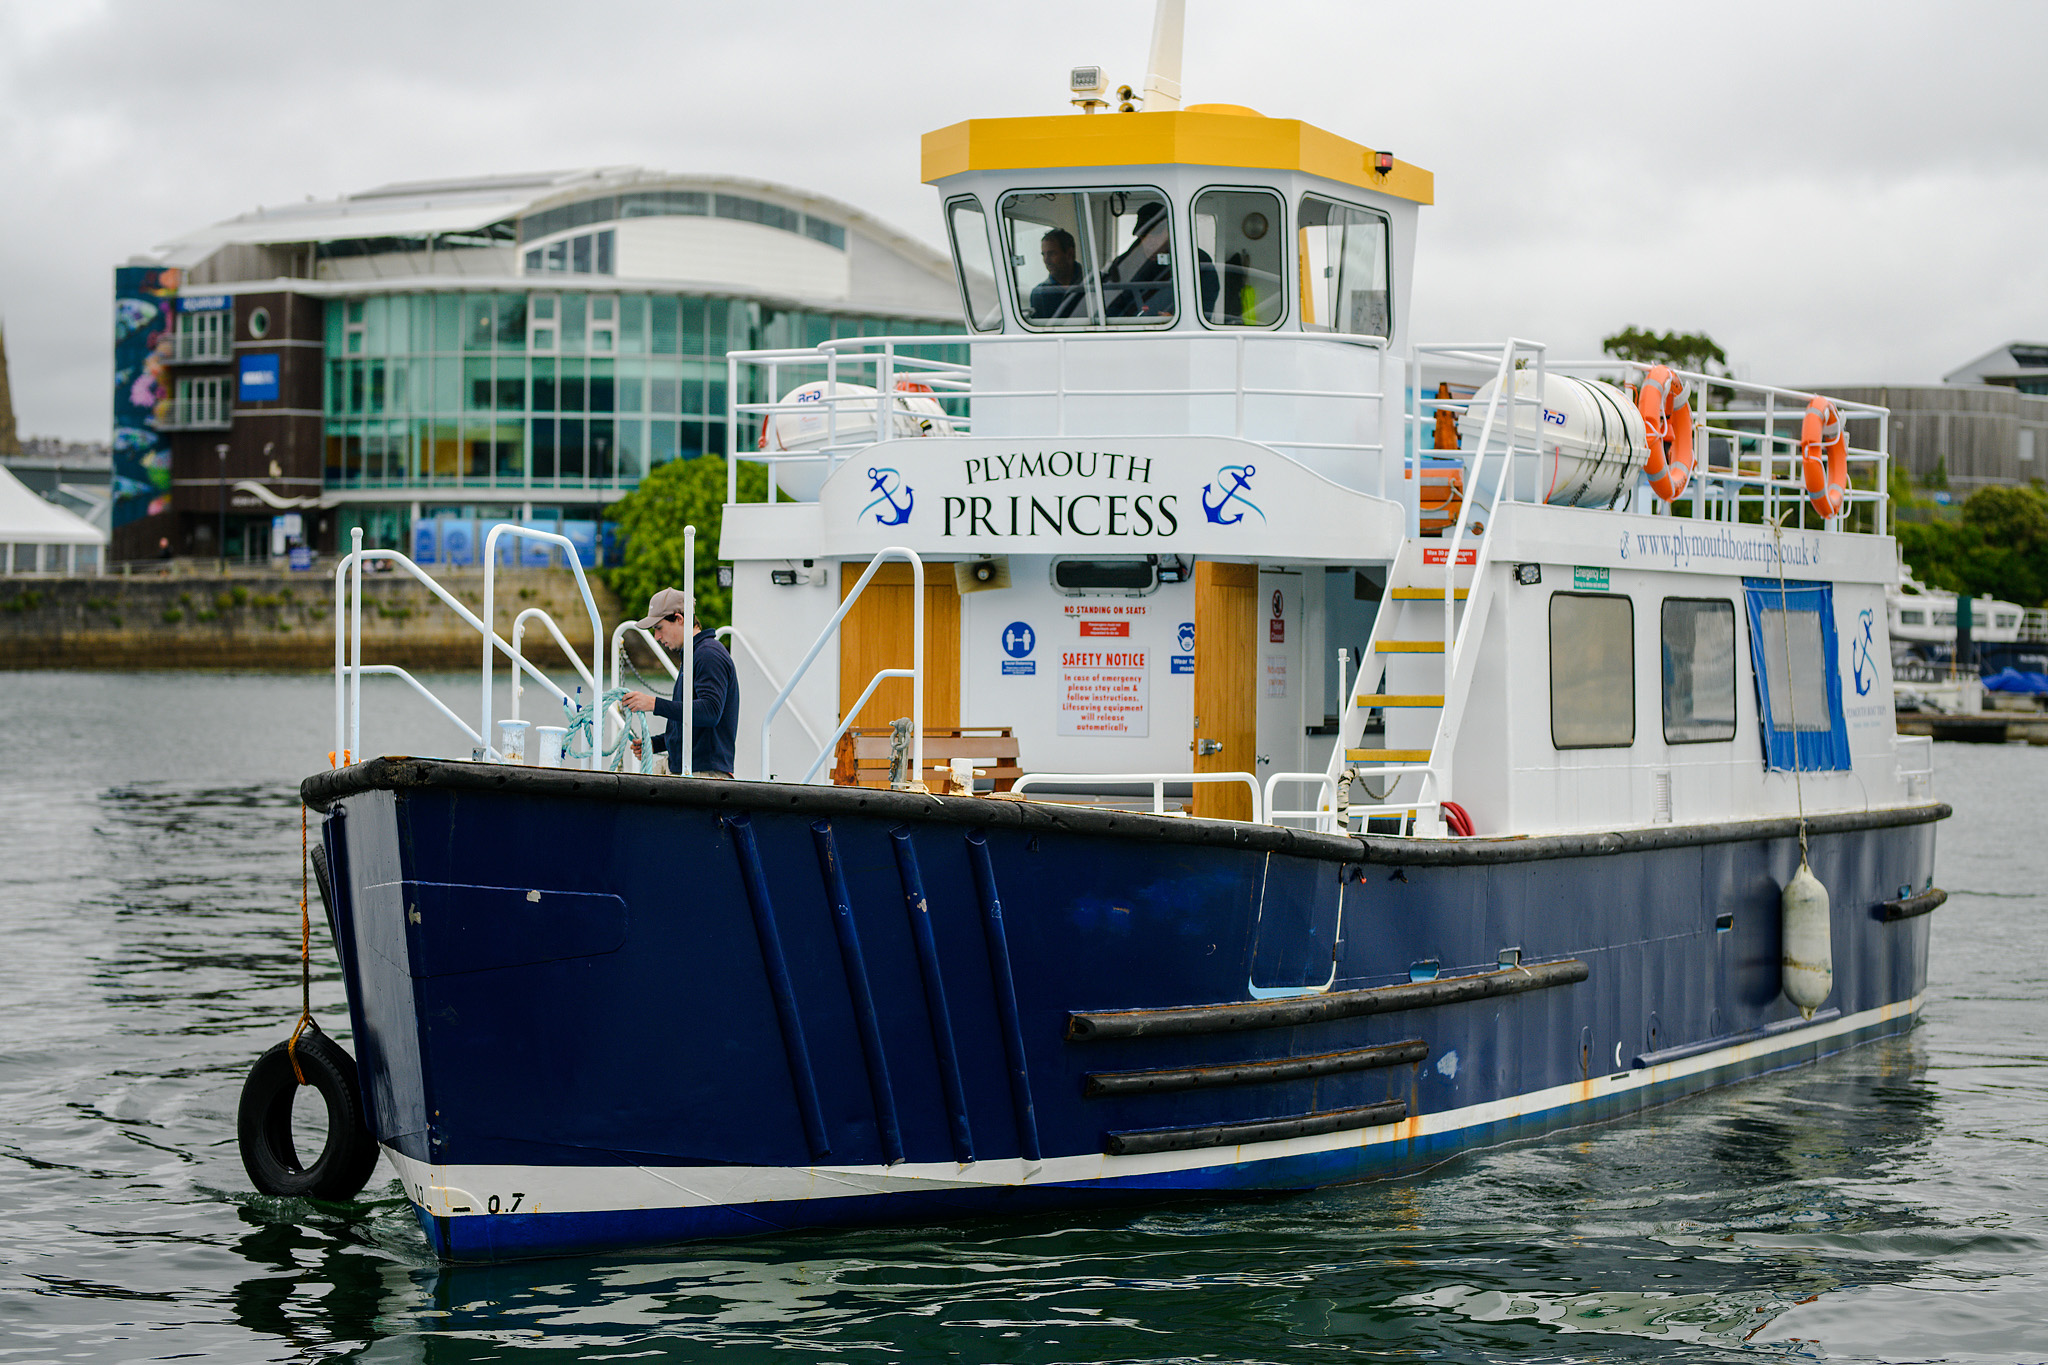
[348, 739]
[1157, 781]
[490, 612]
[393, 670]
[519, 656]
[1322, 816]
[825, 751]
[892, 553]
[685, 761]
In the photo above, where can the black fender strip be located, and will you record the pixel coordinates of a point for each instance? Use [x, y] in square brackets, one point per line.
[1088, 1025]
[1099, 1084]
[1907, 907]
[1141, 1141]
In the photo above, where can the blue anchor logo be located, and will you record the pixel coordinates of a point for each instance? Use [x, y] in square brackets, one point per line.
[1865, 667]
[1240, 476]
[888, 483]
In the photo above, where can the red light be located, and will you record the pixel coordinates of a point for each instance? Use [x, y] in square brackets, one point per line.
[1382, 162]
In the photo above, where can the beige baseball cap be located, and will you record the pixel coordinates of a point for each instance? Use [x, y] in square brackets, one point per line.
[667, 602]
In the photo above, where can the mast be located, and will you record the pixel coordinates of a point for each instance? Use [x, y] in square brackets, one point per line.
[1162, 71]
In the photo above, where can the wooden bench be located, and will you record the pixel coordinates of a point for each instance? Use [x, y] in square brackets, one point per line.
[862, 756]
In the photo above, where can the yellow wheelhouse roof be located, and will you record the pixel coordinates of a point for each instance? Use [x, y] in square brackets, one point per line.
[1201, 135]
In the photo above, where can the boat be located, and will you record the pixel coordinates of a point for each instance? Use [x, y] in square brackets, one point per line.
[1238, 746]
[1924, 623]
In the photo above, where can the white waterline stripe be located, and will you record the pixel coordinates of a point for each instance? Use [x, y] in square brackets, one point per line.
[465, 1191]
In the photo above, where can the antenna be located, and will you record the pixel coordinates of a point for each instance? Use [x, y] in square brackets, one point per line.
[1162, 73]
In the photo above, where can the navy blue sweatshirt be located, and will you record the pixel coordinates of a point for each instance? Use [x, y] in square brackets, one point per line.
[716, 714]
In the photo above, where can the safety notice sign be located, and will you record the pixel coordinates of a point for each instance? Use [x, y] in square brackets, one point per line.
[1104, 692]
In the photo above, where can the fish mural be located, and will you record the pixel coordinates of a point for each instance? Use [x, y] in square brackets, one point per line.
[144, 299]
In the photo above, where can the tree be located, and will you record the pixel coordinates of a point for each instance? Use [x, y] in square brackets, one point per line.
[1999, 547]
[1693, 351]
[651, 519]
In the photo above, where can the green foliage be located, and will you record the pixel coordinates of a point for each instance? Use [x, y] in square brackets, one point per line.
[27, 600]
[173, 615]
[1938, 476]
[1998, 547]
[651, 519]
[1693, 351]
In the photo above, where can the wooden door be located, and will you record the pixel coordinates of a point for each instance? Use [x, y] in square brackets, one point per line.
[876, 634]
[1226, 685]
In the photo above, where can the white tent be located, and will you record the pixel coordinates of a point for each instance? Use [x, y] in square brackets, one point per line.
[37, 537]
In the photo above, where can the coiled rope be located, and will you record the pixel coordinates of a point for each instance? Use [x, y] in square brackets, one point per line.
[578, 740]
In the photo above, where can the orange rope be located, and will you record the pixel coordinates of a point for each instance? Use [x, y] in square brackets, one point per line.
[291, 1048]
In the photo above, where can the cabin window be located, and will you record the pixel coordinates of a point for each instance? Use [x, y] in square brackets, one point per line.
[1090, 258]
[1592, 671]
[1126, 577]
[973, 264]
[1798, 686]
[1344, 270]
[1912, 618]
[1239, 257]
[1699, 670]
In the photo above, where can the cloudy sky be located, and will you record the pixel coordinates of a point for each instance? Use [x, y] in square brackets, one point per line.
[1836, 192]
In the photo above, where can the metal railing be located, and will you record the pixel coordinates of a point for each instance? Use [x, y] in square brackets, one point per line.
[1762, 436]
[349, 668]
[1916, 765]
[519, 657]
[1157, 781]
[596, 668]
[883, 360]
[915, 672]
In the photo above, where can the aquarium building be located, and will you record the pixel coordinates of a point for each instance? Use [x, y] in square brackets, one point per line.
[511, 347]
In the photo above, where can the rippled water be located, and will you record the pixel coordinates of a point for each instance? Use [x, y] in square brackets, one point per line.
[1884, 1205]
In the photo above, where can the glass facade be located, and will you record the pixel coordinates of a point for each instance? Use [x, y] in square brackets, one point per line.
[553, 390]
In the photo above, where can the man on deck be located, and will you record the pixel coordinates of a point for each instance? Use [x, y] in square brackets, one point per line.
[714, 699]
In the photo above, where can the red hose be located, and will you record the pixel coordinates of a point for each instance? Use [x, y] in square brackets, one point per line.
[1455, 817]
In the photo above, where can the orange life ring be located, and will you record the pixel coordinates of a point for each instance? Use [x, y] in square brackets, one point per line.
[1668, 418]
[1824, 450]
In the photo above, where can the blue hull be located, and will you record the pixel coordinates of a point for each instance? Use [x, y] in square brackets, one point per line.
[595, 1011]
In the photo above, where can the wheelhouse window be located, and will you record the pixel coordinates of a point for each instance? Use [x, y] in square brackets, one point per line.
[1090, 258]
[973, 265]
[1699, 670]
[1240, 258]
[1592, 671]
[1344, 269]
[1799, 690]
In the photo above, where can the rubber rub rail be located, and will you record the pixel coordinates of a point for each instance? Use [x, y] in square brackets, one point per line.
[1138, 1142]
[1102, 1083]
[1084, 1026]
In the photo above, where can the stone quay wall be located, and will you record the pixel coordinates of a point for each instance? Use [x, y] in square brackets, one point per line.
[277, 620]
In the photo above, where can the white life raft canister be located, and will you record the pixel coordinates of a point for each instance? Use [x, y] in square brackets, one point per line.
[813, 424]
[1588, 439]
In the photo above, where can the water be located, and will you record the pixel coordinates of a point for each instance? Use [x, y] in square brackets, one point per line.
[1885, 1205]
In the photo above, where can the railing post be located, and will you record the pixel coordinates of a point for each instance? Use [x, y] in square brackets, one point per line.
[355, 672]
[917, 670]
[732, 429]
[684, 764]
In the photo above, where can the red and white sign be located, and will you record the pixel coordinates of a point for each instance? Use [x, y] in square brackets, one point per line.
[1438, 556]
[1106, 629]
[1104, 692]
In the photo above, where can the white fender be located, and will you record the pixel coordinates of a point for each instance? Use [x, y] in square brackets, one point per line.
[1809, 956]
